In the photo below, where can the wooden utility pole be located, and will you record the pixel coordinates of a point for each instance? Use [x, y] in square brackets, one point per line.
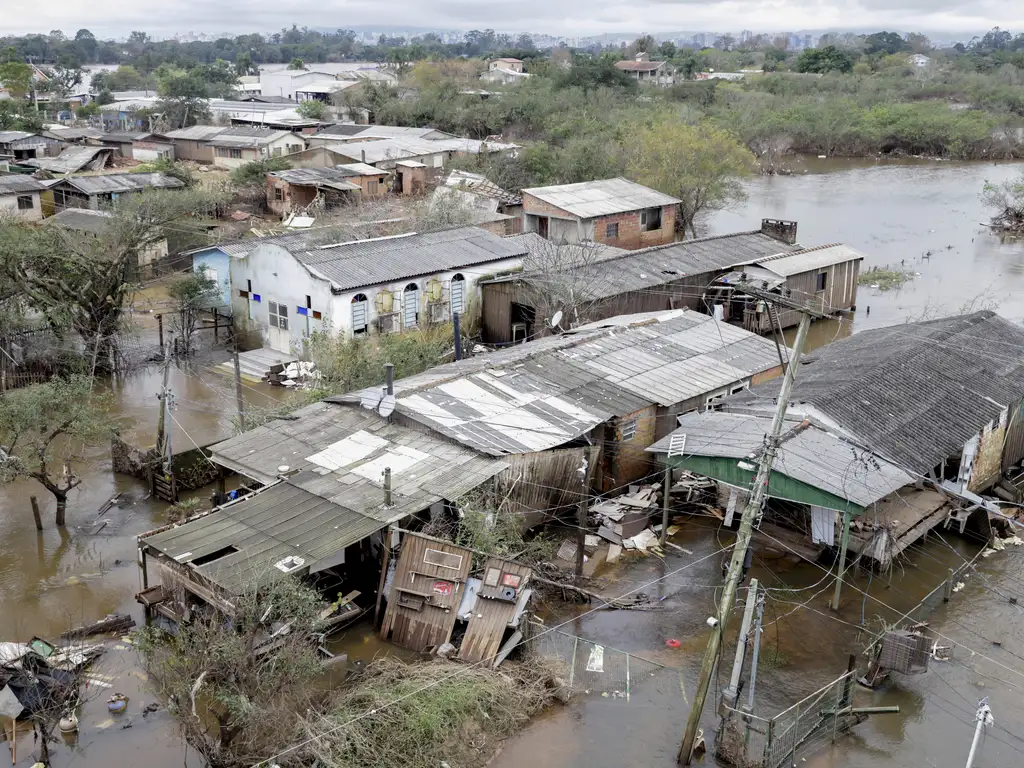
[581, 520]
[751, 513]
[664, 503]
[35, 513]
[844, 544]
[161, 424]
[239, 400]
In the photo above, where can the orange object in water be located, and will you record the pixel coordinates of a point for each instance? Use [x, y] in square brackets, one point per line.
[673, 643]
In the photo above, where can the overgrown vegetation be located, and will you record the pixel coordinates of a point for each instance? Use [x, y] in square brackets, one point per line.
[428, 714]
[885, 279]
[1006, 202]
[190, 293]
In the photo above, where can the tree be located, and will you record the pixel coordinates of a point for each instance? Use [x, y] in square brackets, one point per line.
[238, 698]
[190, 293]
[44, 430]
[823, 60]
[312, 109]
[255, 173]
[773, 57]
[918, 43]
[700, 164]
[667, 50]
[65, 77]
[244, 64]
[17, 78]
[560, 277]
[1006, 202]
[688, 65]
[885, 42]
[296, 63]
[184, 99]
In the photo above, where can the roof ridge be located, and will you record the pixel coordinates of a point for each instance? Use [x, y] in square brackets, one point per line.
[811, 249]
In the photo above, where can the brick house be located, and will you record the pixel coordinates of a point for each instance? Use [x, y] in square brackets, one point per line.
[643, 70]
[615, 212]
[296, 188]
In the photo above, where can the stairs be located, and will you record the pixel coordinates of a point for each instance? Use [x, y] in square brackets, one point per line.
[257, 364]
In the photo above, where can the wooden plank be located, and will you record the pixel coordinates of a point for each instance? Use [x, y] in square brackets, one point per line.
[487, 626]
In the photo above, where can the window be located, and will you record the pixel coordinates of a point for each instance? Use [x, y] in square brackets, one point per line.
[25, 203]
[278, 193]
[371, 187]
[650, 219]
[822, 280]
[278, 316]
[234, 154]
[210, 274]
[458, 293]
[442, 559]
[611, 231]
[410, 305]
[360, 313]
[278, 152]
[628, 430]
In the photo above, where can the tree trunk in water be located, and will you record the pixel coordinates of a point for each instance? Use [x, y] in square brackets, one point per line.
[62, 508]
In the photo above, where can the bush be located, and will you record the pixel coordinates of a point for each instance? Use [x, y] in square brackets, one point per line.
[255, 173]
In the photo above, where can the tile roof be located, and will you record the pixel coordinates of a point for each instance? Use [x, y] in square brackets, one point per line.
[639, 66]
[383, 260]
[788, 264]
[17, 184]
[811, 454]
[603, 197]
[917, 392]
[277, 522]
[340, 454]
[121, 182]
[543, 394]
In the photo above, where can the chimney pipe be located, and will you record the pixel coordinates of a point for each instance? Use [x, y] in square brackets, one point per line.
[387, 486]
[362, 153]
[389, 373]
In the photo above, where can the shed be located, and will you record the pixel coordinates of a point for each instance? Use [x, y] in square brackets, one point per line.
[24, 145]
[426, 591]
[95, 191]
[298, 188]
[20, 196]
[74, 159]
[499, 605]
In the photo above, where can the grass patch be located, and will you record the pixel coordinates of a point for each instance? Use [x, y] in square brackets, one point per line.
[772, 658]
[459, 719]
[885, 279]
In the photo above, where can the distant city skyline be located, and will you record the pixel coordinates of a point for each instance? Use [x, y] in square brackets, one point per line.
[564, 18]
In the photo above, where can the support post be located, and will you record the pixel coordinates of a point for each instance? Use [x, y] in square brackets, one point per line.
[757, 652]
[239, 401]
[751, 512]
[581, 533]
[387, 486]
[35, 513]
[982, 717]
[389, 377]
[843, 545]
[384, 562]
[216, 324]
[161, 424]
[731, 694]
[160, 332]
[664, 504]
[458, 335]
[947, 592]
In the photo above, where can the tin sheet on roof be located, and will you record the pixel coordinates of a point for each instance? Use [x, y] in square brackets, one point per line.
[17, 184]
[604, 197]
[82, 219]
[810, 454]
[121, 182]
[810, 259]
[71, 159]
[254, 534]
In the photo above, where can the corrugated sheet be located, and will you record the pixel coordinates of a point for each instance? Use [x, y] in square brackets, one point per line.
[9, 137]
[70, 160]
[82, 219]
[318, 176]
[122, 182]
[15, 185]
[196, 132]
[663, 264]
[812, 455]
[604, 197]
[914, 393]
[806, 260]
[280, 521]
[383, 260]
[543, 394]
[249, 137]
[340, 454]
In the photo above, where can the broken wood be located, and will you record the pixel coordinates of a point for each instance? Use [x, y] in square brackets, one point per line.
[109, 503]
[115, 622]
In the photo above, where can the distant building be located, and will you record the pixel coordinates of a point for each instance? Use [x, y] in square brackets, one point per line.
[919, 60]
[88, 223]
[643, 70]
[508, 65]
[19, 196]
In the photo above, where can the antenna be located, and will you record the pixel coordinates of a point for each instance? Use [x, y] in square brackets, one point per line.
[556, 319]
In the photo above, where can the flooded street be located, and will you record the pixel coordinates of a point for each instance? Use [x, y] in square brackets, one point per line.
[895, 213]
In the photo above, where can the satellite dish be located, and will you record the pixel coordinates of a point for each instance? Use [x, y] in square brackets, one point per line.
[556, 319]
[386, 406]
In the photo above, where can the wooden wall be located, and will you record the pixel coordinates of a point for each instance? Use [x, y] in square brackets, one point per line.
[491, 616]
[840, 294]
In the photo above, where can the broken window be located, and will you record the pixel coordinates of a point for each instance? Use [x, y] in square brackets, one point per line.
[442, 559]
[822, 280]
[628, 430]
[25, 203]
[611, 230]
[650, 219]
[410, 305]
[278, 316]
[371, 187]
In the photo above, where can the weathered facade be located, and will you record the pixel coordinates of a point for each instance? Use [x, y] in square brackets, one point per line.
[96, 192]
[20, 196]
[23, 145]
[615, 212]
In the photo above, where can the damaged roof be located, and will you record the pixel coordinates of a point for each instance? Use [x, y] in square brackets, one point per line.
[121, 182]
[17, 184]
[318, 177]
[809, 259]
[536, 396]
[241, 544]
[72, 159]
[916, 392]
[808, 453]
[340, 454]
[604, 197]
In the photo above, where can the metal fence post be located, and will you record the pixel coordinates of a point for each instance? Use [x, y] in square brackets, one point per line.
[572, 666]
[769, 738]
[796, 735]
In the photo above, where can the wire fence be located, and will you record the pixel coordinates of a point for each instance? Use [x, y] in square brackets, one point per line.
[595, 669]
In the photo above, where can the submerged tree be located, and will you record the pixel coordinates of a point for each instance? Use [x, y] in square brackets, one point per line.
[700, 164]
[240, 686]
[47, 428]
[1006, 201]
[190, 293]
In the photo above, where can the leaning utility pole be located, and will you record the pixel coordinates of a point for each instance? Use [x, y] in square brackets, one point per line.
[751, 513]
[983, 717]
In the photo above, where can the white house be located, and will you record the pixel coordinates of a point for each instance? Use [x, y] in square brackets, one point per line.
[919, 60]
[289, 287]
[238, 146]
[19, 196]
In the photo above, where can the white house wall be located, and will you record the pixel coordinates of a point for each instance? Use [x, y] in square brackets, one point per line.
[9, 206]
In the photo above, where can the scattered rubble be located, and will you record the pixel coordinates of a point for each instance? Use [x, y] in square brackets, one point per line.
[299, 375]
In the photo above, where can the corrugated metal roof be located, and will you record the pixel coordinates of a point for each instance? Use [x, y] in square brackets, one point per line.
[249, 137]
[402, 147]
[479, 184]
[812, 455]
[383, 260]
[8, 137]
[382, 131]
[196, 132]
[916, 392]
[600, 198]
[16, 184]
[359, 169]
[543, 394]
[278, 522]
[82, 219]
[627, 271]
[121, 182]
[70, 160]
[325, 86]
[786, 265]
[340, 453]
[122, 138]
[639, 66]
[312, 177]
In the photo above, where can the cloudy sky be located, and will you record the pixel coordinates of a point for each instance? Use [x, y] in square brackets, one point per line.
[560, 17]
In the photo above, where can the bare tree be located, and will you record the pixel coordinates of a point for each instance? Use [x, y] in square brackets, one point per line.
[562, 278]
[190, 293]
[1006, 201]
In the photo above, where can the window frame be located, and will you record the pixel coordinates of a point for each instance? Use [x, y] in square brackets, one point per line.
[611, 230]
[649, 214]
[458, 277]
[360, 298]
[26, 198]
[821, 282]
[278, 315]
[627, 430]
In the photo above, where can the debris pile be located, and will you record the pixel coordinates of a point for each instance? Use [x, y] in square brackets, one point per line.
[299, 374]
[623, 521]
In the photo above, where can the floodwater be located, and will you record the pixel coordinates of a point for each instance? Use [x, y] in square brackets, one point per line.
[892, 212]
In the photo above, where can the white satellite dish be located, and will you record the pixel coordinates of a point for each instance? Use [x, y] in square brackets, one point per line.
[556, 319]
[387, 405]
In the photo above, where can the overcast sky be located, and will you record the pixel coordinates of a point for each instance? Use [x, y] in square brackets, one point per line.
[115, 18]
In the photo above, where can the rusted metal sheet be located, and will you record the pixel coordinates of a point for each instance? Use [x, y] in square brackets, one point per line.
[423, 603]
[988, 465]
[496, 603]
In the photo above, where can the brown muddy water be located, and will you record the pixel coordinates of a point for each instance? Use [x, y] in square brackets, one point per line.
[892, 212]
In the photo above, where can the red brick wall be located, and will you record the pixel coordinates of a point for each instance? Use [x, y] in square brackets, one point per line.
[629, 230]
[630, 237]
